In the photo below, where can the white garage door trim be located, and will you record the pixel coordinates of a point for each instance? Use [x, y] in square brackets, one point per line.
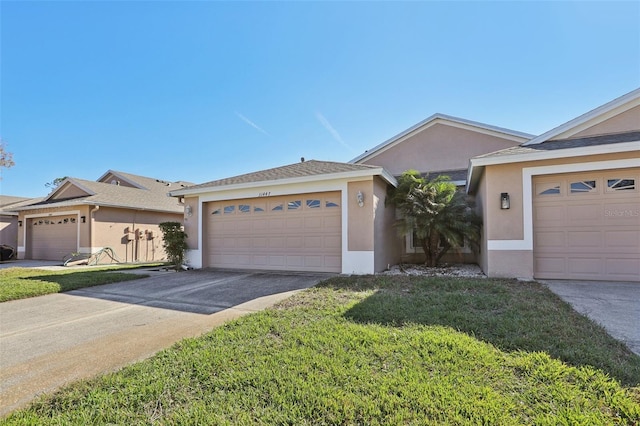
[298, 232]
[50, 216]
[587, 226]
[526, 243]
[353, 262]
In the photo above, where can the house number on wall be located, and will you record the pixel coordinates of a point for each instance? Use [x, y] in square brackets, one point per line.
[264, 194]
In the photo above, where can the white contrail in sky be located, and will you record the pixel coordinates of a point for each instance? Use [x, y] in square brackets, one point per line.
[325, 123]
[251, 123]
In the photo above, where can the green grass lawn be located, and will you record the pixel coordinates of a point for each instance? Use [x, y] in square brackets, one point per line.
[21, 283]
[375, 351]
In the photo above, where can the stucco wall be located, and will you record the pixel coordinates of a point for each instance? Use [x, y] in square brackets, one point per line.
[191, 222]
[625, 122]
[70, 191]
[387, 243]
[480, 200]
[360, 227]
[437, 148]
[134, 235]
[9, 231]
[509, 264]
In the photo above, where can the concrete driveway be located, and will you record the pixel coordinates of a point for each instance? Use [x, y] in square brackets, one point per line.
[49, 341]
[613, 305]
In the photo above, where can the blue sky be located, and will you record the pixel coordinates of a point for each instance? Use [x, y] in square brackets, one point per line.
[202, 90]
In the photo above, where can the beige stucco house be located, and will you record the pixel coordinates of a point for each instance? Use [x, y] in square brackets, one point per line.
[9, 218]
[119, 210]
[565, 204]
[439, 145]
[328, 216]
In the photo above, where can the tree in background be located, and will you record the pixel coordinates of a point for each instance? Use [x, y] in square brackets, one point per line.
[6, 158]
[438, 214]
[54, 183]
[175, 242]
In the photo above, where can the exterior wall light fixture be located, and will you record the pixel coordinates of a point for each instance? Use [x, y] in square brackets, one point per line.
[83, 219]
[505, 203]
[360, 198]
[19, 223]
[188, 211]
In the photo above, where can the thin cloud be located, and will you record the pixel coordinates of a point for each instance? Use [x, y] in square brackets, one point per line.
[325, 123]
[251, 123]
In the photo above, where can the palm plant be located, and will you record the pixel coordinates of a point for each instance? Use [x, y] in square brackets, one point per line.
[438, 214]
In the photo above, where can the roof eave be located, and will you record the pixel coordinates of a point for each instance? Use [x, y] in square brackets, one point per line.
[376, 171]
[477, 164]
[630, 99]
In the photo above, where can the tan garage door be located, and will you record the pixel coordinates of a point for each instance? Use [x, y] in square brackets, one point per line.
[587, 225]
[52, 238]
[295, 233]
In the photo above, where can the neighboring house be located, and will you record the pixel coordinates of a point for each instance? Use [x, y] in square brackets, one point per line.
[572, 199]
[119, 210]
[9, 219]
[439, 145]
[328, 216]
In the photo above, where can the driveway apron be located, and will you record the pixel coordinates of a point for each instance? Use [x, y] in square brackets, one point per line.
[49, 341]
[613, 305]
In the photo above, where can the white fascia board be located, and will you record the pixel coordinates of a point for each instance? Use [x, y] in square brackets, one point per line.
[558, 153]
[379, 171]
[477, 164]
[603, 112]
[449, 120]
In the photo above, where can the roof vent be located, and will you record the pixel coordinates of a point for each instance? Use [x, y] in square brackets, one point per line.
[302, 159]
[115, 182]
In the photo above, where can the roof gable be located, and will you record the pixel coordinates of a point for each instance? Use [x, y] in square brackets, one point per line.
[69, 188]
[114, 189]
[447, 120]
[592, 118]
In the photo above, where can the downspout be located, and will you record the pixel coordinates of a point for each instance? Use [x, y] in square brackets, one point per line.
[93, 210]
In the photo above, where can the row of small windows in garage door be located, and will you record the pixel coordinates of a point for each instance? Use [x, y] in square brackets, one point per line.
[278, 206]
[64, 221]
[586, 186]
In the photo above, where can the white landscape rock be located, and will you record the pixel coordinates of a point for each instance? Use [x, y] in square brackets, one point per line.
[465, 270]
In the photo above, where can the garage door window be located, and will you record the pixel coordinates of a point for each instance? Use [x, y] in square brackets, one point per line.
[277, 207]
[229, 209]
[294, 205]
[621, 184]
[548, 189]
[244, 208]
[313, 204]
[583, 186]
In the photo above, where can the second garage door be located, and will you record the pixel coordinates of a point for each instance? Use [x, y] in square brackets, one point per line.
[296, 233]
[587, 226]
[52, 238]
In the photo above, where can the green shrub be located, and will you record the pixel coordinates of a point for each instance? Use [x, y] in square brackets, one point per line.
[175, 242]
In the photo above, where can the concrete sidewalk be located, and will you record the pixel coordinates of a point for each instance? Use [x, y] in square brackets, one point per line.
[50, 341]
[614, 305]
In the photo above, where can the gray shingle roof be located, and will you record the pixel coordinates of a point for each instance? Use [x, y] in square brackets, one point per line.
[553, 145]
[154, 197]
[10, 204]
[290, 171]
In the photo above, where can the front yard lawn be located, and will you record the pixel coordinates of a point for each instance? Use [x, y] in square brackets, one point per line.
[376, 350]
[21, 283]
